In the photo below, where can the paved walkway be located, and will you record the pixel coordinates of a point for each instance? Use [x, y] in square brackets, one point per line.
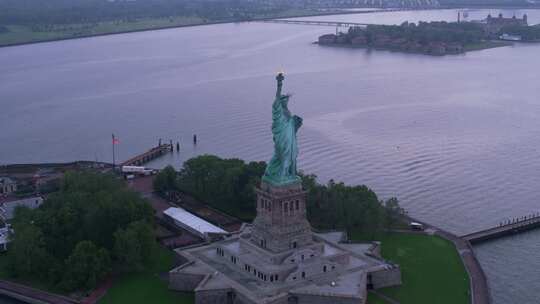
[99, 292]
[20, 292]
[478, 281]
[384, 297]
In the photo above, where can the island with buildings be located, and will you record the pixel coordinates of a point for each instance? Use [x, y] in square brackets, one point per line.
[437, 38]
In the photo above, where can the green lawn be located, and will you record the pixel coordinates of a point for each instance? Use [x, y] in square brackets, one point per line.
[133, 288]
[375, 299]
[25, 34]
[432, 271]
[147, 287]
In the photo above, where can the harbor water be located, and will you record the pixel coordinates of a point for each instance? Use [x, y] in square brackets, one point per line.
[455, 138]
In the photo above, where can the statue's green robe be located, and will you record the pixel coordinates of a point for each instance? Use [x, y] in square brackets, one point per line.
[282, 166]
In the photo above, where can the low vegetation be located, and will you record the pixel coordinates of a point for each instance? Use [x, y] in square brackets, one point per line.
[138, 288]
[432, 271]
[228, 185]
[527, 33]
[94, 226]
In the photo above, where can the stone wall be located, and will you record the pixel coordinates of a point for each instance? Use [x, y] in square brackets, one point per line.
[386, 277]
[320, 299]
[375, 250]
[219, 296]
[230, 296]
[184, 281]
[281, 224]
[313, 269]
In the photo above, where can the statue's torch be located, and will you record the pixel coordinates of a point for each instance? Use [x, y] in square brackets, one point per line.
[280, 76]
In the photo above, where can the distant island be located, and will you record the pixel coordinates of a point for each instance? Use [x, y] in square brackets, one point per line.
[437, 38]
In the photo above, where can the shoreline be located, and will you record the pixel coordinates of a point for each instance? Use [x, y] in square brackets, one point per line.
[193, 25]
[308, 14]
[487, 46]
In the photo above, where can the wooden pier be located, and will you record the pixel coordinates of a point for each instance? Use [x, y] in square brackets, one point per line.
[505, 228]
[149, 155]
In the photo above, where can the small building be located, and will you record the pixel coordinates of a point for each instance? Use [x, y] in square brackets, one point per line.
[381, 41]
[359, 40]
[341, 39]
[327, 39]
[454, 48]
[9, 204]
[510, 37]
[194, 224]
[436, 48]
[7, 185]
[414, 47]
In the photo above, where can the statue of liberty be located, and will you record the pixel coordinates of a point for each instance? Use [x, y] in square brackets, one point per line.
[282, 167]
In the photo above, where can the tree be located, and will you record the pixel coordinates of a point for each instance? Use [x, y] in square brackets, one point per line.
[225, 184]
[393, 211]
[166, 180]
[134, 246]
[339, 206]
[86, 266]
[49, 241]
[27, 255]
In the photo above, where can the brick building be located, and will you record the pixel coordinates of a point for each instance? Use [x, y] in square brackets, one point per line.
[494, 25]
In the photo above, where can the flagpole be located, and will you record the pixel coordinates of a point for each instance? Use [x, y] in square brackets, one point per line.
[113, 154]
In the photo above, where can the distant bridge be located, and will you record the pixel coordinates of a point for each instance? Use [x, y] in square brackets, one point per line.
[340, 23]
[505, 228]
[323, 23]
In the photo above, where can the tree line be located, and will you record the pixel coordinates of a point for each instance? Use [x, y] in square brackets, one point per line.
[527, 33]
[92, 227]
[39, 12]
[228, 185]
[423, 33]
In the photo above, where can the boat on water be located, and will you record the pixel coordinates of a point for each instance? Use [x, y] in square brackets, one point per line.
[509, 37]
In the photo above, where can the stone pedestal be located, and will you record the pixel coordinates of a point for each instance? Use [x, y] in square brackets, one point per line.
[281, 222]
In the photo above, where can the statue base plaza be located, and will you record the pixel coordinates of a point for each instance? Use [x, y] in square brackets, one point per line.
[278, 259]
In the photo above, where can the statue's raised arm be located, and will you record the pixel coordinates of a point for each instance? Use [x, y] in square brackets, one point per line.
[281, 169]
[279, 79]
